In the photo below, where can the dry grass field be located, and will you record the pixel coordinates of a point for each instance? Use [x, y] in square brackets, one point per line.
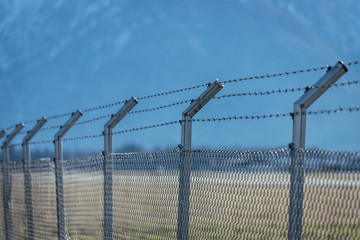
[243, 206]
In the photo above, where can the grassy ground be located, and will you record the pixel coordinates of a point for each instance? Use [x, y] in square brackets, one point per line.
[248, 206]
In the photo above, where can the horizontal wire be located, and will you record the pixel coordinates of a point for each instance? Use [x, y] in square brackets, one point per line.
[350, 63]
[241, 117]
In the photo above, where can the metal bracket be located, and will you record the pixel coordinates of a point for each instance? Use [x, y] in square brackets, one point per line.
[66, 127]
[195, 106]
[204, 98]
[309, 97]
[115, 119]
[40, 123]
[11, 136]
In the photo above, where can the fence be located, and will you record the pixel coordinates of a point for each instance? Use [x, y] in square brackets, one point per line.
[233, 195]
[183, 193]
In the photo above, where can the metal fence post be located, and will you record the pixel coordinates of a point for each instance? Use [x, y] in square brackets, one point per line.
[2, 134]
[185, 157]
[108, 166]
[27, 176]
[60, 206]
[7, 181]
[298, 141]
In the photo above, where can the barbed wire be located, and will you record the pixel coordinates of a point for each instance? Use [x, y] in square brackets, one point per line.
[276, 115]
[235, 117]
[339, 109]
[245, 117]
[350, 63]
[259, 93]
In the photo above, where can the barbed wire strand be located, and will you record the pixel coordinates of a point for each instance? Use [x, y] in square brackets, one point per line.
[350, 63]
[287, 73]
[286, 90]
[242, 117]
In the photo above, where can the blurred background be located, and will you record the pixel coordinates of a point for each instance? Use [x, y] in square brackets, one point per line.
[59, 56]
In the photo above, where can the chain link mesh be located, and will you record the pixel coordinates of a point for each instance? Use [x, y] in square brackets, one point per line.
[18, 207]
[44, 198]
[239, 194]
[145, 193]
[84, 197]
[232, 195]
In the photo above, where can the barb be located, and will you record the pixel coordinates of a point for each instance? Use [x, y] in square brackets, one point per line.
[352, 63]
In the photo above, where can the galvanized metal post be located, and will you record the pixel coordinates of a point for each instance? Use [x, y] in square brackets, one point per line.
[185, 157]
[27, 176]
[108, 166]
[7, 181]
[60, 205]
[298, 141]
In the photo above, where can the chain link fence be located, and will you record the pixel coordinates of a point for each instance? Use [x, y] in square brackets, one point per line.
[231, 195]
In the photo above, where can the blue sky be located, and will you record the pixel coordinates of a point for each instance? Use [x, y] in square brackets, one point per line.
[60, 56]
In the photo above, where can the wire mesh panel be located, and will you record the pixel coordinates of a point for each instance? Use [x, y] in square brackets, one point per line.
[239, 194]
[145, 195]
[18, 207]
[44, 198]
[232, 195]
[331, 195]
[2, 217]
[84, 197]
